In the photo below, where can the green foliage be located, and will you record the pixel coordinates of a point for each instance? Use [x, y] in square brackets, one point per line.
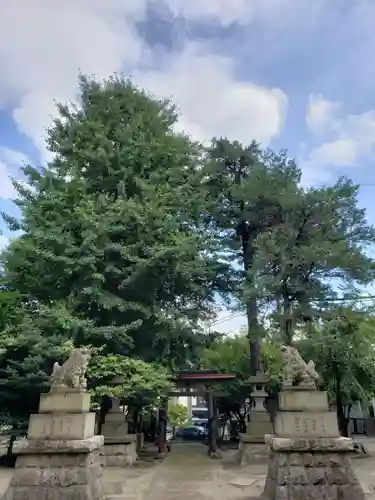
[272, 362]
[344, 347]
[110, 226]
[28, 349]
[177, 415]
[230, 355]
[227, 355]
[248, 189]
[132, 230]
[320, 240]
[9, 308]
[142, 383]
[343, 351]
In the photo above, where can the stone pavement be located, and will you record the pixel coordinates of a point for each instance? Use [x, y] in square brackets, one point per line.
[187, 473]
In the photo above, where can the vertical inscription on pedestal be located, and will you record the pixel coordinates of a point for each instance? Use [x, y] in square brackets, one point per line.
[303, 425]
[322, 426]
[313, 425]
[306, 425]
[297, 424]
[309, 425]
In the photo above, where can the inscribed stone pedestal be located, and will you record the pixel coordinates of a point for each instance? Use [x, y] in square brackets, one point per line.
[60, 459]
[308, 458]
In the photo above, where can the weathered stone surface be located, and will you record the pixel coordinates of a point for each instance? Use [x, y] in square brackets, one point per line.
[58, 460]
[120, 454]
[252, 447]
[250, 452]
[300, 444]
[310, 476]
[48, 446]
[292, 400]
[306, 423]
[61, 426]
[33, 479]
[123, 439]
[71, 375]
[64, 402]
[61, 459]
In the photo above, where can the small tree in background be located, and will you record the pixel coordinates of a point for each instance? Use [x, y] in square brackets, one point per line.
[343, 351]
[178, 415]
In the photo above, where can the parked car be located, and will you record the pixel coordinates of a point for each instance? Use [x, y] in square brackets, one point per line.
[191, 433]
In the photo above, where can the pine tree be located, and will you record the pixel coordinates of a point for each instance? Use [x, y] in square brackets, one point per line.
[318, 246]
[248, 189]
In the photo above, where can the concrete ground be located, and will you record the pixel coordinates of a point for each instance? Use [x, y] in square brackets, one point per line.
[188, 474]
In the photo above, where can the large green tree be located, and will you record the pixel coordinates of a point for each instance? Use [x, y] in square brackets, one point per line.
[111, 226]
[318, 247]
[248, 189]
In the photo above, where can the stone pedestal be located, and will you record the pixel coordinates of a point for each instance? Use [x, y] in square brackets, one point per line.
[120, 451]
[252, 447]
[119, 446]
[60, 457]
[308, 459]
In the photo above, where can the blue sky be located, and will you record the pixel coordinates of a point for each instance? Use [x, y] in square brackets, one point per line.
[297, 74]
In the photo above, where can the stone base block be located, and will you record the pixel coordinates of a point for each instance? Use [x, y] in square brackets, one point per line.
[316, 469]
[300, 400]
[115, 428]
[61, 426]
[308, 424]
[251, 453]
[257, 429]
[64, 402]
[119, 417]
[120, 454]
[60, 476]
[140, 440]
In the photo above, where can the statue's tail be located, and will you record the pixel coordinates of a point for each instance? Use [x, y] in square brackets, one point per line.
[56, 369]
[311, 369]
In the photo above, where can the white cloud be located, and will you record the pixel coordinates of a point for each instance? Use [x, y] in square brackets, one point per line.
[3, 242]
[349, 138]
[213, 102]
[338, 153]
[227, 12]
[43, 44]
[320, 112]
[10, 162]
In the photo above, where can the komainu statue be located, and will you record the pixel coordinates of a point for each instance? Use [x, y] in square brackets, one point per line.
[71, 375]
[297, 373]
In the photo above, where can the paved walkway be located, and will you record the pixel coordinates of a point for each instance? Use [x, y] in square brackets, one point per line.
[188, 474]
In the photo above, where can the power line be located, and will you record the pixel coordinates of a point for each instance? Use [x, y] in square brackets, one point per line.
[330, 301]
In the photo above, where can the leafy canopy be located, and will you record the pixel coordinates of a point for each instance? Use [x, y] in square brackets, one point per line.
[110, 226]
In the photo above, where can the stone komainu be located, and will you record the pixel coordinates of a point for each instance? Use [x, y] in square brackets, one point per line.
[297, 373]
[71, 375]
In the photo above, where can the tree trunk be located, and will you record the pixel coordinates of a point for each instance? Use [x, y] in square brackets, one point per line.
[342, 420]
[251, 308]
[287, 320]
[244, 231]
[105, 406]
